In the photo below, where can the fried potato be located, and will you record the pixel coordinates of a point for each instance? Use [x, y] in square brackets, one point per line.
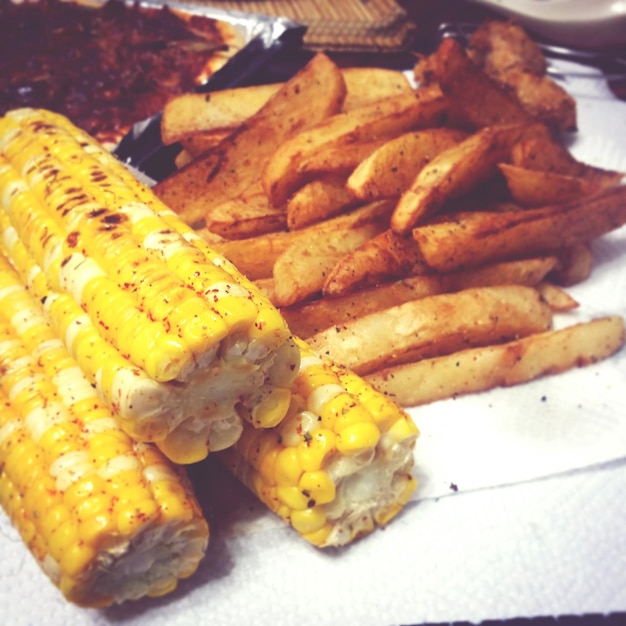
[222, 110]
[247, 215]
[201, 142]
[319, 199]
[455, 171]
[255, 256]
[574, 264]
[556, 298]
[512, 363]
[471, 239]
[544, 154]
[382, 119]
[481, 99]
[434, 326]
[382, 258]
[313, 317]
[301, 270]
[341, 159]
[390, 169]
[532, 188]
[313, 94]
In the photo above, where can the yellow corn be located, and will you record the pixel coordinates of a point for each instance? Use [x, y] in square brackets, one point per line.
[339, 464]
[107, 518]
[181, 346]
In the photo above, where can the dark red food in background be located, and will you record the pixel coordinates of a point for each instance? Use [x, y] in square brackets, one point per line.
[104, 68]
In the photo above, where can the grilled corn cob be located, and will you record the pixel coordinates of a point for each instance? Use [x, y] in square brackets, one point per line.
[179, 344]
[107, 518]
[338, 465]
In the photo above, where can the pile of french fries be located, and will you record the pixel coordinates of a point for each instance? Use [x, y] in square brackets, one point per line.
[422, 236]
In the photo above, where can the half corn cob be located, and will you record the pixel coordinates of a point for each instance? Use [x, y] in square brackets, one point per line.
[339, 464]
[179, 344]
[107, 518]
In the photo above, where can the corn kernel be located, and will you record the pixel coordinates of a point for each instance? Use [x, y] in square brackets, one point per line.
[357, 438]
[293, 497]
[272, 408]
[319, 537]
[132, 516]
[287, 470]
[308, 521]
[318, 486]
[315, 450]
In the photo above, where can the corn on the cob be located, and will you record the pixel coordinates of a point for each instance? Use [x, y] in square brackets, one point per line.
[180, 345]
[107, 518]
[338, 465]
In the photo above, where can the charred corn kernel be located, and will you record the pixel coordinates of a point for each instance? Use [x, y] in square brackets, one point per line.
[337, 465]
[357, 438]
[100, 520]
[173, 337]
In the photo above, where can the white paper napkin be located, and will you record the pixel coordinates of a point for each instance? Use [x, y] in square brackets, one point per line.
[532, 523]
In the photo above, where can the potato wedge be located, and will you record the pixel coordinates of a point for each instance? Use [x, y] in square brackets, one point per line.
[574, 264]
[341, 159]
[456, 171]
[389, 170]
[547, 155]
[313, 94]
[248, 215]
[313, 317]
[471, 239]
[481, 100]
[255, 256]
[382, 258]
[556, 297]
[222, 110]
[319, 199]
[382, 119]
[532, 188]
[301, 270]
[512, 363]
[434, 326]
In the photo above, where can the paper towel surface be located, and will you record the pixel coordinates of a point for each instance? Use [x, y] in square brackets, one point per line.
[531, 522]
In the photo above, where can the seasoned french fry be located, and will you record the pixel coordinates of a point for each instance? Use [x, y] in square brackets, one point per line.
[382, 258]
[532, 188]
[255, 256]
[312, 317]
[382, 119]
[201, 142]
[222, 110]
[340, 159]
[247, 215]
[513, 363]
[389, 170]
[547, 155]
[574, 264]
[301, 270]
[557, 298]
[434, 326]
[319, 199]
[313, 94]
[481, 99]
[472, 239]
[456, 171]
